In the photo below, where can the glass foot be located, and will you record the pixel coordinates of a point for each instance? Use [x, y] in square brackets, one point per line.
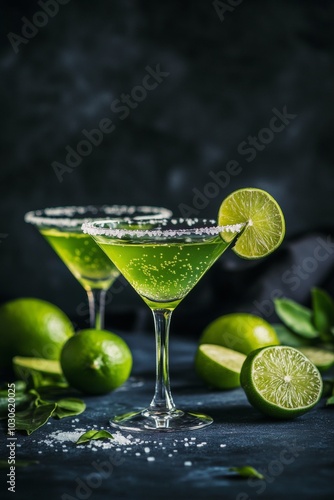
[148, 420]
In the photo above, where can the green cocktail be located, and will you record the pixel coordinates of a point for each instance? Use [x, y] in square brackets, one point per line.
[163, 261]
[83, 257]
[164, 273]
[61, 227]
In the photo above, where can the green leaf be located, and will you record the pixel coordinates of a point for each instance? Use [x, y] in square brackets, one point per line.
[247, 471]
[89, 435]
[69, 407]
[298, 318]
[323, 312]
[34, 417]
[18, 463]
[287, 337]
[330, 401]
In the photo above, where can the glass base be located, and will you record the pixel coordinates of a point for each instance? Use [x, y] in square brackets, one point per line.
[151, 420]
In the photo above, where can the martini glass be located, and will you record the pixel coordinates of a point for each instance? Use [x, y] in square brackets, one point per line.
[61, 227]
[163, 261]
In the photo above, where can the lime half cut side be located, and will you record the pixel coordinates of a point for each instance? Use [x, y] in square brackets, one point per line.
[280, 381]
[264, 219]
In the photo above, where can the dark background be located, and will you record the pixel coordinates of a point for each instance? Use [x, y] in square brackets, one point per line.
[225, 78]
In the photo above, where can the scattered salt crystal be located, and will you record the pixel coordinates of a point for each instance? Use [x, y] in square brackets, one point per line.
[170, 455]
[186, 444]
[147, 450]
[193, 439]
[137, 454]
[223, 445]
[188, 464]
[150, 459]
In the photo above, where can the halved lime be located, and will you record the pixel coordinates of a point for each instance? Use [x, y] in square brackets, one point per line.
[265, 224]
[41, 371]
[240, 331]
[47, 366]
[218, 366]
[280, 381]
[321, 358]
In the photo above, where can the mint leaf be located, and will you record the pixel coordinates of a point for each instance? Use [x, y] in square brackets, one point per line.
[89, 435]
[69, 407]
[34, 417]
[330, 401]
[323, 312]
[298, 318]
[247, 471]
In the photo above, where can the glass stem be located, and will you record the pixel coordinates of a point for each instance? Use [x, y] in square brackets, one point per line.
[96, 300]
[162, 400]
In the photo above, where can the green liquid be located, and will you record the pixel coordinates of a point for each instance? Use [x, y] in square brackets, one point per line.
[87, 262]
[164, 273]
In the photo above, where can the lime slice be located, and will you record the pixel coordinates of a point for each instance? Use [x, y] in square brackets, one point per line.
[218, 366]
[41, 371]
[280, 381]
[47, 366]
[240, 331]
[321, 358]
[265, 225]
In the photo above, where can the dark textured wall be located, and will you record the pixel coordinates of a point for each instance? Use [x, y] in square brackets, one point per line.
[224, 76]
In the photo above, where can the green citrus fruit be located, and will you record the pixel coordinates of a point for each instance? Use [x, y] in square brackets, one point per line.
[240, 331]
[218, 366]
[32, 327]
[321, 358]
[280, 381]
[263, 218]
[96, 361]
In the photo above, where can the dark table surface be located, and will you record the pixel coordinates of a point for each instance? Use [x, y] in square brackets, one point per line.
[296, 457]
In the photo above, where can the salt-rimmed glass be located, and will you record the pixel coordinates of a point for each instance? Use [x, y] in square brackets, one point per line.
[61, 227]
[163, 261]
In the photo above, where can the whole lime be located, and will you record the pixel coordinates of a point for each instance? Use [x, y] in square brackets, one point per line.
[96, 361]
[241, 332]
[32, 327]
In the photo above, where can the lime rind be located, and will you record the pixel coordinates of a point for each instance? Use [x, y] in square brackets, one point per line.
[265, 227]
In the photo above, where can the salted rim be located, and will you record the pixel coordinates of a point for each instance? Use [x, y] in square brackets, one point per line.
[52, 216]
[93, 229]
